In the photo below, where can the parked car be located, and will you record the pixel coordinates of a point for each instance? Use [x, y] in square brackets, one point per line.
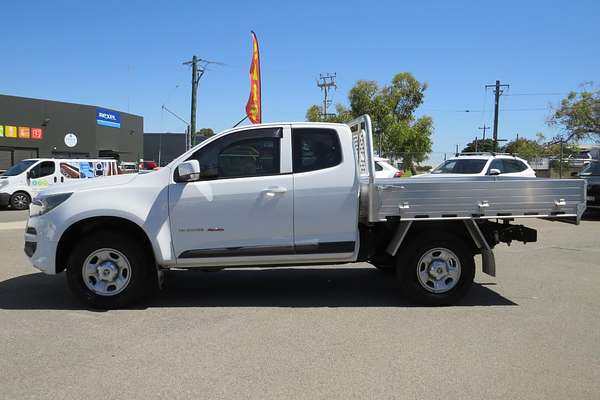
[383, 169]
[580, 159]
[591, 173]
[128, 167]
[481, 164]
[284, 194]
[147, 165]
[21, 182]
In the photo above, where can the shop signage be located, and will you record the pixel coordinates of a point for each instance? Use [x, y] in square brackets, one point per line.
[21, 132]
[106, 117]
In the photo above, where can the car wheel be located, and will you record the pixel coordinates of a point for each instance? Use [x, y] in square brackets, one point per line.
[20, 201]
[107, 269]
[437, 271]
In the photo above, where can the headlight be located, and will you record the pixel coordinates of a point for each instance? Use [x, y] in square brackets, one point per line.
[42, 204]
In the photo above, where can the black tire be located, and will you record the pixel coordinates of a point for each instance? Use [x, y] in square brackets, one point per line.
[407, 270]
[20, 201]
[142, 274]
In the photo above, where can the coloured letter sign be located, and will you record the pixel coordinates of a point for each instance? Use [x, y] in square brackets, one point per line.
[10, 131]
[24, 132]
[1, 130]
[108, 118]
[37, 133]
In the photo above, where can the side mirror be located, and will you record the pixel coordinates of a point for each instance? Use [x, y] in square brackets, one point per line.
[494, 171]
[29, 175]
[188, 171]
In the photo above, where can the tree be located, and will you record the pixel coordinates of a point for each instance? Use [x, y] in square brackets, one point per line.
[397, 132]
[342, 115]
[482, 145]
[206, 132]
[579, 115]
[524, 148]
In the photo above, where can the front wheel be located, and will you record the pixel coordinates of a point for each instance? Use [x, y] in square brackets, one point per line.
[20, 201]
[437, 271]
[106, 269]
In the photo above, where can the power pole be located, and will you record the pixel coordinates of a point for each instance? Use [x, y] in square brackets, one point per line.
[497, 92]
[325, 82]
[484, 128]
[198, 69]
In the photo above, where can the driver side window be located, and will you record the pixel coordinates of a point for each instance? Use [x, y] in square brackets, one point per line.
[254, 152]
[44, 168]
[497, 164]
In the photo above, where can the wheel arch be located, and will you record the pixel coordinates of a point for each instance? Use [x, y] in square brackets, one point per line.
[419, 230]
[73, 234]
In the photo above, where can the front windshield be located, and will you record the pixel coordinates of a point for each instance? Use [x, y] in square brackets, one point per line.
[592, 168]
[19, 167]
[464, 166]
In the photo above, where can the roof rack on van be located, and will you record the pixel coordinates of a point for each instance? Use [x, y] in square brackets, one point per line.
[483, 153]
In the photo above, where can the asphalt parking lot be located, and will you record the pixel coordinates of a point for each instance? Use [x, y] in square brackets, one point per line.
[320, 332]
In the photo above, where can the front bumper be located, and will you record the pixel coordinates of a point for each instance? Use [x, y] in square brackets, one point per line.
[40, 244]
[4, 199]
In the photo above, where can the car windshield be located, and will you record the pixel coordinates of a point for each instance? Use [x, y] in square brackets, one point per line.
[464, 166]
[592, 168]
[19, 167]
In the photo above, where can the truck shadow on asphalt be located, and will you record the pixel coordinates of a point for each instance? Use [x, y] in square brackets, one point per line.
[283, 287]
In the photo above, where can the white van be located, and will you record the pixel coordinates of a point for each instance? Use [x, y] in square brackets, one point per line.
[21, 182]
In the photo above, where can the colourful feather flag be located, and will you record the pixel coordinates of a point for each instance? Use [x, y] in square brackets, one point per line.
[254, 106]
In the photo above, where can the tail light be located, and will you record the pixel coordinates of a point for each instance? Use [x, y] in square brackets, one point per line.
[398, 174]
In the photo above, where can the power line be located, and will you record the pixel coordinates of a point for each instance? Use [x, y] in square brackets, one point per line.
[468, 110]
[536, 94]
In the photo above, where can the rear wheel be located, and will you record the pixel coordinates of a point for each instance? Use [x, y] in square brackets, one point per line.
[106, 269]
[436, 271]
[20, 201]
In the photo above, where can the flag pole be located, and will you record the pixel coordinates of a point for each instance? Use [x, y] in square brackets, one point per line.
[259, 78]
[241, 120]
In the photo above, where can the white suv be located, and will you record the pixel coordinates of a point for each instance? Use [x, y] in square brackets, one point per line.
[483, 164]
[383, 169]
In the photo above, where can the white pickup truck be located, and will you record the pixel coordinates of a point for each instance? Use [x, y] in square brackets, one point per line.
[284, 194]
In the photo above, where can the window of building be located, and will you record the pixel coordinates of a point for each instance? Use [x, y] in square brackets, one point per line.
[315, 148]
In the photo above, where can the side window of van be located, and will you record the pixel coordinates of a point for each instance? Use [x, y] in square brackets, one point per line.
[44, 168]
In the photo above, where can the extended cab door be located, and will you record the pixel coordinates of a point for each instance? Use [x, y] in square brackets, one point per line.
[325, 193]
[240, 211]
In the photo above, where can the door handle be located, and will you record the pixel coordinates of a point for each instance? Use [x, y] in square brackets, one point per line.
[272, 191]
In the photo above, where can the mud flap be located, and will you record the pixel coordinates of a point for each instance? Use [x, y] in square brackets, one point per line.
[488, 261]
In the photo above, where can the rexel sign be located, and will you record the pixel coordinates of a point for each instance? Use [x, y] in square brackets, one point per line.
[108, 118]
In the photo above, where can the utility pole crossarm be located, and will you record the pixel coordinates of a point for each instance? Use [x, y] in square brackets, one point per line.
[198, 69]
[325, 82]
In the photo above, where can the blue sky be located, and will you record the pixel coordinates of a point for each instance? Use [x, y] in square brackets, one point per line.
[127, 55]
